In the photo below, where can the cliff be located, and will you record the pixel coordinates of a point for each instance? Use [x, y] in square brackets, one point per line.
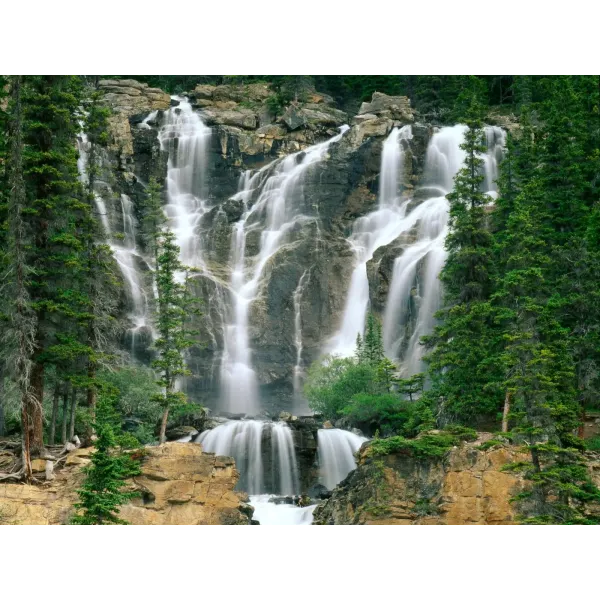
[465, 487]
[179, 485]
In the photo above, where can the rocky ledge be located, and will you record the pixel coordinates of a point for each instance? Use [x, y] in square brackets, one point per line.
[179, 484]
[465, 487]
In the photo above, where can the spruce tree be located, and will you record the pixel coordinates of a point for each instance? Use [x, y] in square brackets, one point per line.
[103, 491]
[19, 318]
[460, 363]
[175, 306]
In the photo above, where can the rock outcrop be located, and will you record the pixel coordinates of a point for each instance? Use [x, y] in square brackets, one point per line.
[179, 484]
[129, 98]
[466, 487]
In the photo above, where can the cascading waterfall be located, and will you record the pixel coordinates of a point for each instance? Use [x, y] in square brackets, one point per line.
[124, 251]
[415, 292]
[336, 448]
[284, 457]
[300, 403]
[278, 194]
[243, 440]
[186, 138]
[377, 229]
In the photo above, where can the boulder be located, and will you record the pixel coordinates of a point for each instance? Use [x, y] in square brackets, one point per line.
[396, 107]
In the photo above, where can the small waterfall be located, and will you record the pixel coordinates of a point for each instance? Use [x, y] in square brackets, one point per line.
[272, 198]
[246, 442]
[336, 449]
[415, 292]
[186, 139]
[378, 228]
[300, 403]
[284, 457]
[124, 251]
[243, 441]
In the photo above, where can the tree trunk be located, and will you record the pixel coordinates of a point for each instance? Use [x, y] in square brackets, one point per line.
[505, 412]
[55, 403]
[1, 418]
[163, 427]
[25, 434]
[36, 414]
[581, 428]
[91, 395]
[65, 412]
[73, 410]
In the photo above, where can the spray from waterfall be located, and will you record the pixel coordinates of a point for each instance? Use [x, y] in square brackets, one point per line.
[300, 402]
[336, 449]
[124, 250]
[272, 198]
[415, 292]
[374, 230]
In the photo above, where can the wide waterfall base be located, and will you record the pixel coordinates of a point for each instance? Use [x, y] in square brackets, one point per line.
[270, 513]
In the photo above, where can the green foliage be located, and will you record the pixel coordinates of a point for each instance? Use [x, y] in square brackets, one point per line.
[331, 384]
[593, 444]
[384, 412]
[428, 445]
[102, 492]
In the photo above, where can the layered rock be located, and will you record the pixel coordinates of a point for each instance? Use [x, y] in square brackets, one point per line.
[129, 98]
[466, 487]
[179, 484]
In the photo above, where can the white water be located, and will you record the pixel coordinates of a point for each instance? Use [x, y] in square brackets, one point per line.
[124, 251]
[269, 513]
[374, 230]
[185, 137]
[415, 292]
[300, 402]
[336, 448]
[272, 200]
[243, 440]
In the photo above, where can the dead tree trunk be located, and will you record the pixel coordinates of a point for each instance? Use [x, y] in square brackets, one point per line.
[163, 426]
[55, 404]
[505, 412]
[73, 410]
[65, 412]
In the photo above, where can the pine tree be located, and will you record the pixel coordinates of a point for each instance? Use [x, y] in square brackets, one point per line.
[102, 492]
[460, 363]
[19, 330]
[50, 109]
[175, 306]
[369, 349]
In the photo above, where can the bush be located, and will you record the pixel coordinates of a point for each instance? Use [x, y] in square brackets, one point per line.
[386, 412]
[331, 384]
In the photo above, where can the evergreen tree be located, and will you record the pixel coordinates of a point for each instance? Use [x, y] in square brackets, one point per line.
[459, 364]
[19, 318]
[175, 306]
[50, 110]
[369, 350]
[103, 490]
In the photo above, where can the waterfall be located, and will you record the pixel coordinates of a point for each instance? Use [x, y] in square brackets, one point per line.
[374, 230]
[415, 291]
[300, 403]
[243, 441]
[246, 441]
[336, 449]
[186, 139]
[284, 457]
[272, 199]
[269, 513]
[124, 251]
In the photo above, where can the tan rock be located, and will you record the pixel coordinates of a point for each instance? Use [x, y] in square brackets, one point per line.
[178, 485]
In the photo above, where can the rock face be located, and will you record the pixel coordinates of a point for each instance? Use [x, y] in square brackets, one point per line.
[179, 485]
[247, 134]
[466, 487]
[128, 98]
